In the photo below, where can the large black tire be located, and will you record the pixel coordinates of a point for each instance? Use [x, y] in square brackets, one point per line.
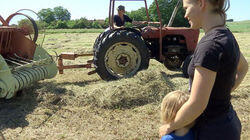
[99, 39]
[185, 66]
[120, 54]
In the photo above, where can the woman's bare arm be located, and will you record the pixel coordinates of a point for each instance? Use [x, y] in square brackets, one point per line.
[201, 89]
[241, 71]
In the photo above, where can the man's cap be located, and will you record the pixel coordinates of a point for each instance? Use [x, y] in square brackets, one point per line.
[121, 7]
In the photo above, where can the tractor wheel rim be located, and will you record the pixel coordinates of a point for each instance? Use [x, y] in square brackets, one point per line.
[122, 59]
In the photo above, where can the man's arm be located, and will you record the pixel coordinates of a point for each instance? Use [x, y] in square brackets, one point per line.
[139, 22]
[201, 89]
[127, 19]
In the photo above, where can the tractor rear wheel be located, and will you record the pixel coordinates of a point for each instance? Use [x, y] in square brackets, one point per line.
[120, 54]
[99, 39]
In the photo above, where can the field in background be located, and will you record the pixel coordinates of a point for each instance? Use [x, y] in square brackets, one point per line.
[236, 27]
[56, 31]
[239, 27]
[78, 106]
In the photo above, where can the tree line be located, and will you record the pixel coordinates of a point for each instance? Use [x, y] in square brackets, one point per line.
[60, 18]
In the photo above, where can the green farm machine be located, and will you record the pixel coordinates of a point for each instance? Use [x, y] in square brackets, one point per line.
[22, 61]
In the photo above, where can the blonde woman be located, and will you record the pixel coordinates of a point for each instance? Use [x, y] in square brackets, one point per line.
[216, 69]
[171, 103]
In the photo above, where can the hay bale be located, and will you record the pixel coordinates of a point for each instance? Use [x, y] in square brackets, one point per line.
[146, 87]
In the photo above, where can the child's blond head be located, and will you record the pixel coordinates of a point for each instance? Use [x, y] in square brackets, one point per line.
[171, 103]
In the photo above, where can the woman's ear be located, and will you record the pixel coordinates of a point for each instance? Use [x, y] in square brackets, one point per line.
[202, 4]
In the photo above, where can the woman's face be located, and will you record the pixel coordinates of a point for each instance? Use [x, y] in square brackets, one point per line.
[193, 13]
[121, 12]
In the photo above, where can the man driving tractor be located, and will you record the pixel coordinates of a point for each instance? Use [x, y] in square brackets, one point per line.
[121, 18]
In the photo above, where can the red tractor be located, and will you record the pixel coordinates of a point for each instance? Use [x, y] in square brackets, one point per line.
[123, 52]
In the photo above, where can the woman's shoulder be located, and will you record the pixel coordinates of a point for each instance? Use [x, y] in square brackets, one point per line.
[215, 40]
[216, 35]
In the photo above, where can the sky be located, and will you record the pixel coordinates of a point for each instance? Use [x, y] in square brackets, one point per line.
[98, 9]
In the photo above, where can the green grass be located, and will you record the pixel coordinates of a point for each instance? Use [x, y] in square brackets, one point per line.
[239, 27]
[56, 31]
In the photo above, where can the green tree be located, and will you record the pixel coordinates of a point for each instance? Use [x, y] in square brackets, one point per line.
[96, 24]
[106, 23]
[78, 23]
[52, 25]
[26, 24]
[166, 10]
[83, 23]
[71, 24]
[47, 15]
[41, 24]
[61, 13]
[61, 25]
[138, 15]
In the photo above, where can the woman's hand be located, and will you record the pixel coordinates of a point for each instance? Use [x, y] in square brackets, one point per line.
[241, 71]
[139, 22]
[164, 129]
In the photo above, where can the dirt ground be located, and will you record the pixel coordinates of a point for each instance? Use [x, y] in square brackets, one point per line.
[77, 108]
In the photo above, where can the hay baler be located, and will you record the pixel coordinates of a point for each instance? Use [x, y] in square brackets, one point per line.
[22, 61]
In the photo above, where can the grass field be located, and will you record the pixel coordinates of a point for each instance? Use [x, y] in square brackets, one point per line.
[239, 27]
[236, 27]
[78, 106]
[56, 31]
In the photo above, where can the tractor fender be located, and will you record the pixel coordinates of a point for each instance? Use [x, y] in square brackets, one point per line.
[134, 30]
[107, 32]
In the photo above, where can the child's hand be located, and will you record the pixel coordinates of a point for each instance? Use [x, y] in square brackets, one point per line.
[164, 129]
